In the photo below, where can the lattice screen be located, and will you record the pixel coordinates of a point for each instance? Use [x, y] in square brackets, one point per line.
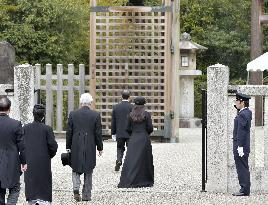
[130, 54]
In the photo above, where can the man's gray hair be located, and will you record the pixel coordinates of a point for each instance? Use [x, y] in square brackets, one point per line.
[86, 98]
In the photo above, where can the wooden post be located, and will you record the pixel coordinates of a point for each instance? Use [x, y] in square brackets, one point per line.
[168, 74]
[255, 78]
[49, 96]
[92, 60]
[81, 79]
[59, 97]
[70, 88]
[37, 80]
[175, 58]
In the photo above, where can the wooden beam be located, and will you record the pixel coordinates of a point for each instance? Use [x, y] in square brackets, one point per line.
[175, 78]
[130, 9]
[92, 54]
[264, 19]
[255, 78]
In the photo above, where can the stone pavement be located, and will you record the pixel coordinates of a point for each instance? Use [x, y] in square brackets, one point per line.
[177, 178]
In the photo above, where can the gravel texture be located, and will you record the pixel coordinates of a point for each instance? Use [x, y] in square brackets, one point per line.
[177, 178]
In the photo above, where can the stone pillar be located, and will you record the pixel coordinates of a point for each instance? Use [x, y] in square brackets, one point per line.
[217, 126]
[187, 119]
[24, 92]
[187, 97]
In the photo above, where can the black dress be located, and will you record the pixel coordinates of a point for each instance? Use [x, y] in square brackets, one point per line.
[138, 168]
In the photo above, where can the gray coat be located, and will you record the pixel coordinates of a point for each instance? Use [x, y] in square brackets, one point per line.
[84, 134]
[12, 151]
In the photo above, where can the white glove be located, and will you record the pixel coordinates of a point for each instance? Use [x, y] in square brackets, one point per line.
[114, 137]
[68, 150]
[240, 151]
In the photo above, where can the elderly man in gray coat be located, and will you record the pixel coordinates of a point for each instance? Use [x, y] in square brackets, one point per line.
[84, 134]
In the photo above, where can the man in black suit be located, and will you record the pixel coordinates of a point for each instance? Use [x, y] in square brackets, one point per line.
[241, 143]
[119, 122]
[12, 154]
[84, 134]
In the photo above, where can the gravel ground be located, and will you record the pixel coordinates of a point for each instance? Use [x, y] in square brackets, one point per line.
[177, 178]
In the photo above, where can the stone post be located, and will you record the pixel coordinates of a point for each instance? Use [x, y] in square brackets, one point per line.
[217, 126]
[24, 92]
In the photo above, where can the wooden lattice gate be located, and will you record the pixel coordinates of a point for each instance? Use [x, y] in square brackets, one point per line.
[130, 49]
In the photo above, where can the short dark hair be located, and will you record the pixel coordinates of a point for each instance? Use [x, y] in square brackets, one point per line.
[5, 103]
[246, 103]
[39, 112]
[125, 94]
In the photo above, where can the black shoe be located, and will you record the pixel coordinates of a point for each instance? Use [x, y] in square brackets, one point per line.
[77, 196]
[86, 199]
[117, 166]
[240, 194]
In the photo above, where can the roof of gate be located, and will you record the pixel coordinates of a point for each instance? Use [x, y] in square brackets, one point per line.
[259, 64]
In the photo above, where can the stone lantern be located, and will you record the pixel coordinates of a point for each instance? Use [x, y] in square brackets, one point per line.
[188, 72]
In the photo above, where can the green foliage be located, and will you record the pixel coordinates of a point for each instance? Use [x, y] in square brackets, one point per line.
[199, 84]
[238, 82]
[222, 26]
[46, 31]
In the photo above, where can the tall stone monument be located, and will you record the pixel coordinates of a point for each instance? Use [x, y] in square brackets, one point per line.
[7, 63]
[17, 83]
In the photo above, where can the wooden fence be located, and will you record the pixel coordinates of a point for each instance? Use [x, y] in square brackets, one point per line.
[54, 85]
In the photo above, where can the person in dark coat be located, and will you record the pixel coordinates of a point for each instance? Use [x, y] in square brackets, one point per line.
[138, 168]
[41, 147]
[241, 143]
[118, 129]
[12, 154]
[84, 134]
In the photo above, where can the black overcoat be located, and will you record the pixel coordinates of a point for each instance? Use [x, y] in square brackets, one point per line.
[119, 119]
[40, 146]
[84, 133]
[12, 151]
[138, 168]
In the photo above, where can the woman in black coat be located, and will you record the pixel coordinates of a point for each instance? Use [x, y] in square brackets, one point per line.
[138, 168]
[40, 147]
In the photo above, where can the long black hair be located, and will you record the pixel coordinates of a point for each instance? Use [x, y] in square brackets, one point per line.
[138, 113]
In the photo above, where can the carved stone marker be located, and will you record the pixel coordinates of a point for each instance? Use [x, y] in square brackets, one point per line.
[7, 62]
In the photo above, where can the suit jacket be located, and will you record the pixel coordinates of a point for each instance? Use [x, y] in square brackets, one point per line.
[241, 132]
[84, 133]
[12, 151]
[119, 119]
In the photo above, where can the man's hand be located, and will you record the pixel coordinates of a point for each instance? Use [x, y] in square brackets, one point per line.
[114, 137]
[23, 167]
[240, 151]
[68, 150]
[100, 153]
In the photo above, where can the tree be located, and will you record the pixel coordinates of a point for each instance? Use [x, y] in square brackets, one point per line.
[46, 31]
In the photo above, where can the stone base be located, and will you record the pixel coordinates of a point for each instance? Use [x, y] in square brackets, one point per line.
[258, 178]
[190, 123]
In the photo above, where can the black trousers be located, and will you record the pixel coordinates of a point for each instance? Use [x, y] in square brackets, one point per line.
[13, 196]
[121, 142]
[243, 173]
